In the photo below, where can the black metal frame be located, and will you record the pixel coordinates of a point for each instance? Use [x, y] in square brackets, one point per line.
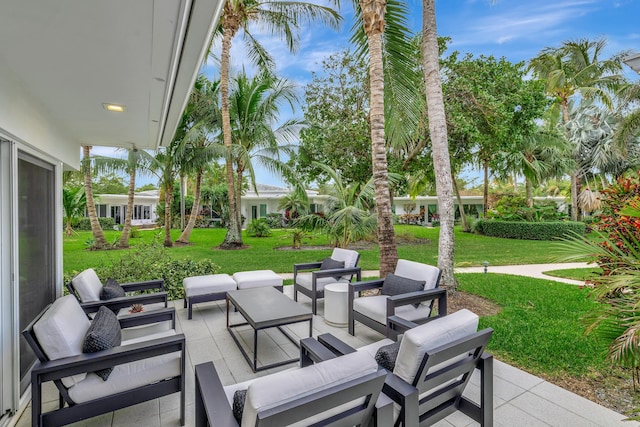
[392, 303]
[116, 304]
[276, 324]
[213, 409]
[46, 370]
[443, 402]
[314, 293]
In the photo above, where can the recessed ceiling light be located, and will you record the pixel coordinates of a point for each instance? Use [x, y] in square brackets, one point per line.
[116, 108]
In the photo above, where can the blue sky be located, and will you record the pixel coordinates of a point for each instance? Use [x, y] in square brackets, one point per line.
[515, 29]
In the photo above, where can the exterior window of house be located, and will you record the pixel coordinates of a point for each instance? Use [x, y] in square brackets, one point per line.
[263, 211]
[312, 207]
[137, 211]
[101, 210]
[146, 212]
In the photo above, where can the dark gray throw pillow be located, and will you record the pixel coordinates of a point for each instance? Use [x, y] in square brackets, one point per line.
[387, 354]
[111, 289]
[103, 333]
[395, 285]
[238, 404]
[331, 264]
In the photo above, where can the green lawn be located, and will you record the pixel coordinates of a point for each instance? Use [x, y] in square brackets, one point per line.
[576, 273]
[471, 250]
[539, 327]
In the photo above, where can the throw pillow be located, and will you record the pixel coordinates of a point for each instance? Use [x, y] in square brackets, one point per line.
[104, 333]
[331, 264]
[387, 354]
[238, 404]
[111, 289]
[395, 285]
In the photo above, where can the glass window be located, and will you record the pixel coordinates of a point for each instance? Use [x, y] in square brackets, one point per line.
[263, 211]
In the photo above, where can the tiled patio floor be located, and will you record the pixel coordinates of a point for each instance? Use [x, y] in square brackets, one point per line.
[520, 399]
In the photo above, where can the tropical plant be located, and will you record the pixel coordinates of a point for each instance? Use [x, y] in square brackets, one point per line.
[255, 110]
[347, 213]
[74, 203]
[616, 249]
[135, 161]
[198, 149]
[258, 228]
[99, 241]
[282, 18]
[295, 204]
[575, 71]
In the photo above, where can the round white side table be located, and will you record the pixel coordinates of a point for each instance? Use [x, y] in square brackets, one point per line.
[336, 301]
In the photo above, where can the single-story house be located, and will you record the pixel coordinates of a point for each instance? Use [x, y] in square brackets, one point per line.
[114, 206]
[76, 73]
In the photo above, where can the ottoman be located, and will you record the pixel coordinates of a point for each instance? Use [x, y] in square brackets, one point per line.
[213, 287]
[257, 279]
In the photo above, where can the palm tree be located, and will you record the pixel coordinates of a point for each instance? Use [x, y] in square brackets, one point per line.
[384, 36]
[539, 157]
[255, 107]
[439, 141]
[347, 213]
[199, 151]
[295, 204]
[136, 160]
[576, 69]
[280, 18]
[74, 203]
[629, 129]
[165, 166]
[100, 242]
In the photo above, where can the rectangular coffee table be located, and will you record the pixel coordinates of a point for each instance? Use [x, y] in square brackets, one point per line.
[265, 308]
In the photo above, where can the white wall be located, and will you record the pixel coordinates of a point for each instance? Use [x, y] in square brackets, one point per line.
[24, 120]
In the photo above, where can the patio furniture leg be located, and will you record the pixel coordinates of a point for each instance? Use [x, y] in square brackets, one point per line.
[255, 350]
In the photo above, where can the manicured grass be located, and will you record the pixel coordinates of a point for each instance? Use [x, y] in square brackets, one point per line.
[576, 273]
[539, 328]
[471, 250]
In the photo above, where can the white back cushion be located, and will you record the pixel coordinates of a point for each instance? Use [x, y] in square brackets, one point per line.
[285, 386]
[433, 334]
[88, 285]
[61, 330]
[418, 271]
[349, 257]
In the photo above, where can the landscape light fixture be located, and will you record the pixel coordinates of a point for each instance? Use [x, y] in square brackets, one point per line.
[485, 264]
[116, 108]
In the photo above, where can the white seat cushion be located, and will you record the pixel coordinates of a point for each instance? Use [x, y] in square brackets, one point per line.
[88, 285]
[418, 271]
[209, 284]
[429, 336]
[127, 377]
[349, 257]
[375, 307]
[304, 280]
[257, 279]
[61, 330]
[281, 387]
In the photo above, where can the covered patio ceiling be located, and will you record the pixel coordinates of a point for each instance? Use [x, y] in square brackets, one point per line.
[71, 57]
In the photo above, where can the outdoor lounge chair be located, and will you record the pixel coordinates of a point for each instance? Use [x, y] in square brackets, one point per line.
[414, 305]
[345, 392]
[86, 287]
[312, 283]
[432, 367]
[143, 368]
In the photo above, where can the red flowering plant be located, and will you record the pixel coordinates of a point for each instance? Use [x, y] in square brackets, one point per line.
[615, 247]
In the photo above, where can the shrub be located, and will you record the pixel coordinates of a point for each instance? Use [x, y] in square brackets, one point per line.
[275, 220]
[514, 208]
[548, 230]
[258, 228]
[85, 225]
[151, 261]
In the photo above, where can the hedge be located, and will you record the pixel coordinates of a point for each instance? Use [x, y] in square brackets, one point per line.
[545, 230]
[84, 224]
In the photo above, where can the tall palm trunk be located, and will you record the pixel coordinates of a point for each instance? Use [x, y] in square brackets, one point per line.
[239, 173]
[185, 236]
[373, 12]
[126, 230]
[575, 207]
[168, 202]
[485, 190]
[439, 142]
[100, 242]
[463, 215]
[233, 238]
[528, 185]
